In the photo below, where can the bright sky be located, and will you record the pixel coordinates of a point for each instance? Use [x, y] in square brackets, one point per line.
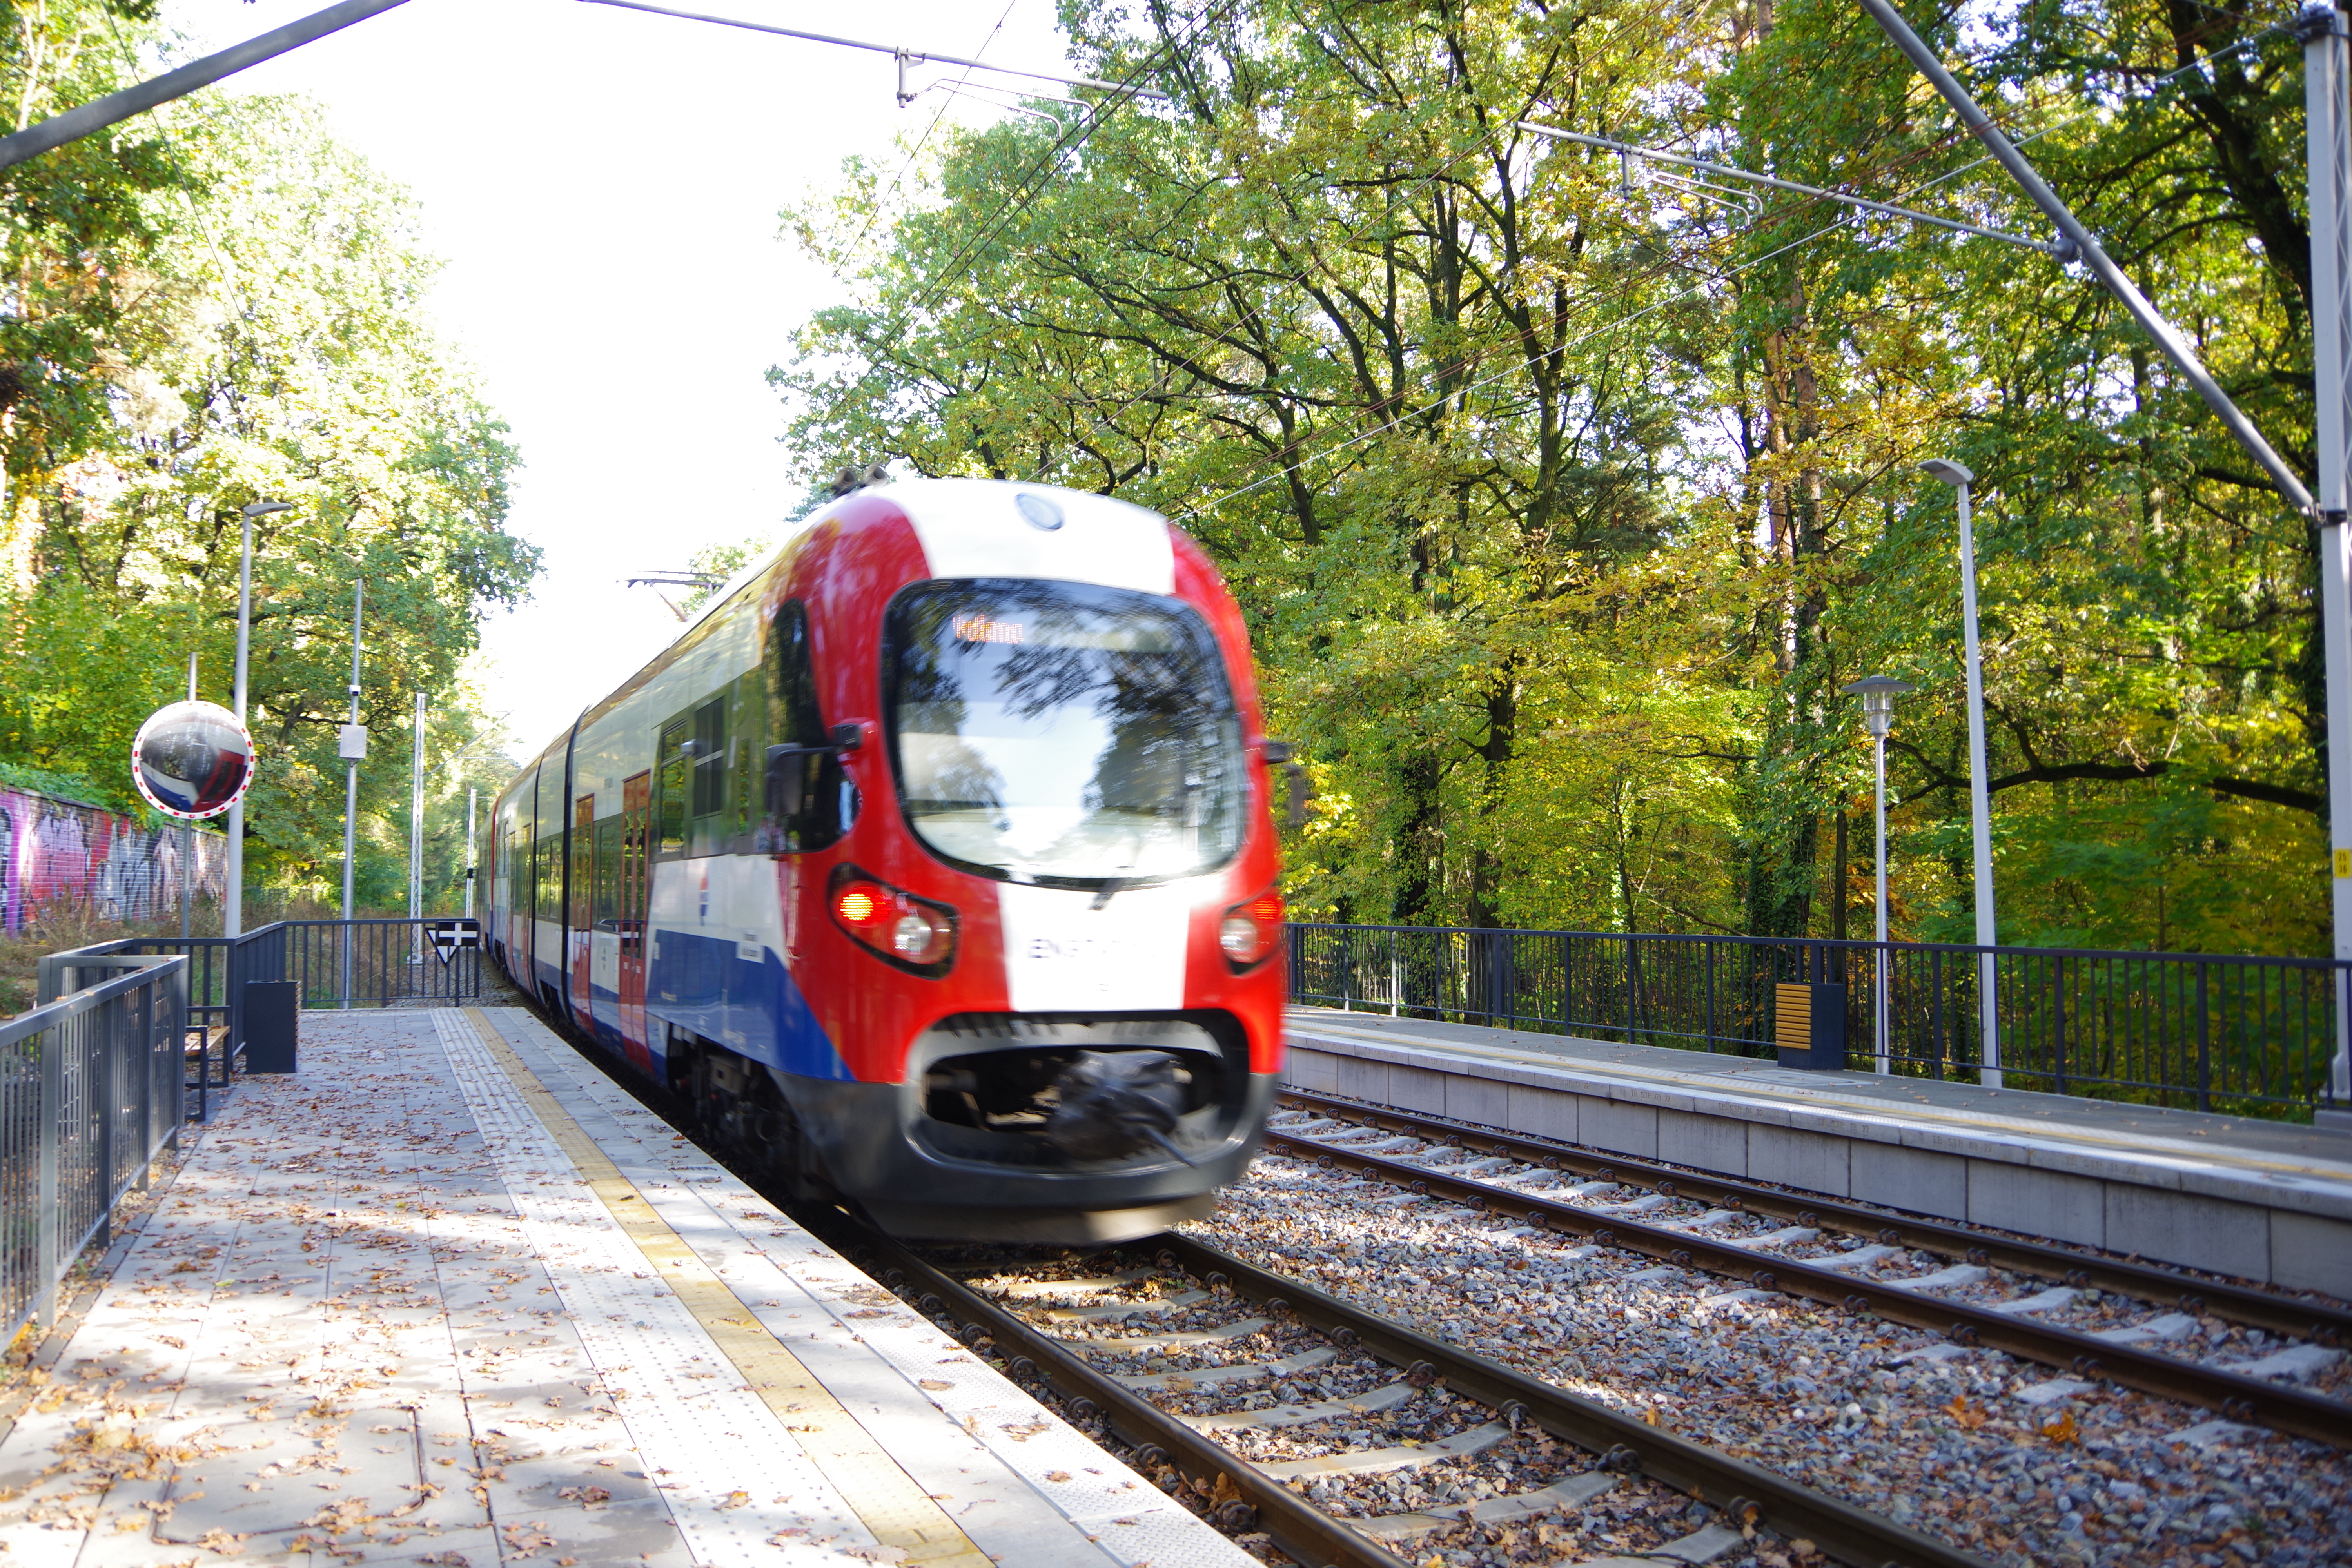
[604, 185]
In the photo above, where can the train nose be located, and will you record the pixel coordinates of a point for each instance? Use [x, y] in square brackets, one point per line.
[1109, 1105]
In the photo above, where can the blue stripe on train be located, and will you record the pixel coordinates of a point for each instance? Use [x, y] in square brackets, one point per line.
[752, 1005]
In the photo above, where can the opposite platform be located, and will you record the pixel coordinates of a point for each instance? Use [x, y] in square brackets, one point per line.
[2255, 1200]
[450, 1296]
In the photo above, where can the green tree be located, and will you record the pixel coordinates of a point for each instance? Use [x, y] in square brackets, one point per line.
[1562, 503]
[259, 331]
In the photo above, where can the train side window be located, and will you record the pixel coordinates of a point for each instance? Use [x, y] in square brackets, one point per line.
[604, 909]
[746, 729]
[710, 777]
[549, 902]
[584, 859]
[674, 780]
[810, 802]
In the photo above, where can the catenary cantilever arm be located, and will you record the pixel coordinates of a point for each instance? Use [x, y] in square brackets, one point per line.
[2176, 347]
[115, 107]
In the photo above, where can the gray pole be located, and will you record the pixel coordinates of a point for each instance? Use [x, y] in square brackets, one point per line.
[2329, 144]
[1878, 693]
[233, 893]
[115, 107]
[187, 836]
[417, 816]
[470, 793]
[1980, 787]
[352, 785]
[233, 888]
[1878, 986]
[2176, 347]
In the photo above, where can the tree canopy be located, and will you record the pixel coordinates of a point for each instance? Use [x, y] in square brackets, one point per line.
[210, 306]
[1562, 493]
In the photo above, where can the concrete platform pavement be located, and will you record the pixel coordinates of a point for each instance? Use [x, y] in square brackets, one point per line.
[450, 1297]
[2255, 1200]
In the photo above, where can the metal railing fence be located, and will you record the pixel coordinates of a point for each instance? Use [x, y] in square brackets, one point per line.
[217, 972]
[2203, 1031]
[374, 964]
[336, 964]
[90, 1089]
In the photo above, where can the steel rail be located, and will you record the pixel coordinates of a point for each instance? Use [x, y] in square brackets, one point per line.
[1745, 1493]
[2246, 1399]
[1304, 1532]
[2318, 1321]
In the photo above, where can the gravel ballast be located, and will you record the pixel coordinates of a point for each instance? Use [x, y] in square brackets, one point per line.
[2002, 1458]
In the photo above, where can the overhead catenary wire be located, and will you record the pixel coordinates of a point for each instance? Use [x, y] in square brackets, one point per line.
[924, 140]
[1063, 143]
[899, 52]
[1217, 502]
[2158, 84]
[1884, 209]
[1512, 369]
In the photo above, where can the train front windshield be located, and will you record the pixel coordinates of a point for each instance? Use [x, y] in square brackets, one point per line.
[1063, 733]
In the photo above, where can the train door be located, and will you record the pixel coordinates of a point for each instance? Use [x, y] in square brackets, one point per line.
[527, 874]
[580, 921]
[636, 827]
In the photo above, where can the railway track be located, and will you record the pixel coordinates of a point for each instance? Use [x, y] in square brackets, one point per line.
[1723, 1503]
[1694, 1221]
[1086, 1332]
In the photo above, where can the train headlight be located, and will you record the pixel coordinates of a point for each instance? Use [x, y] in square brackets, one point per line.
[1250, 931]
[921, 937]
[1238, 936]
[918, 935]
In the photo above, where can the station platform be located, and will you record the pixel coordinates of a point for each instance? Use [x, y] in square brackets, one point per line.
[449, 1296]
[2255, 1200]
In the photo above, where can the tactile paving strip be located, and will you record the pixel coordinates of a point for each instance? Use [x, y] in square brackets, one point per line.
[737, 1483]
[878, 1356]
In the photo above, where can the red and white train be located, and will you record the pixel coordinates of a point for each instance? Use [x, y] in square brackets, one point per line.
[935, 864]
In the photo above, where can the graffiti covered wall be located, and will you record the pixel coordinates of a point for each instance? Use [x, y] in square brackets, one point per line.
[55, 850]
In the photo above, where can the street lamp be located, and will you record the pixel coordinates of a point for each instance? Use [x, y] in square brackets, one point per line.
[1878, 693]
[351, 745]
[1980, 787]
[232, 901]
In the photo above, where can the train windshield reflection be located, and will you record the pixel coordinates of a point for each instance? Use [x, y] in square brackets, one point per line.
[1063, 733]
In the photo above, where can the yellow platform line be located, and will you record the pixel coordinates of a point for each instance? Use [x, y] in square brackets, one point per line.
[893, 1504]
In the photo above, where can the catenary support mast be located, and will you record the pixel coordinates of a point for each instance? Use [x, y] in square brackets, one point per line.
[2329, 145]
[2328, 131]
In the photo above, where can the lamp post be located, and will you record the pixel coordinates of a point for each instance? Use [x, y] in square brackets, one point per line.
[1980, 788]
[233, 895]
[1878, 693]
[416, 818]
[469, 852]
[353, 744]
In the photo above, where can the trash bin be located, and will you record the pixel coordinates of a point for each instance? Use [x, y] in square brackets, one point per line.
[271, 1007]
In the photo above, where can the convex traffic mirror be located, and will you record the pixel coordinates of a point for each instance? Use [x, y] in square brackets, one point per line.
[192, 760]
